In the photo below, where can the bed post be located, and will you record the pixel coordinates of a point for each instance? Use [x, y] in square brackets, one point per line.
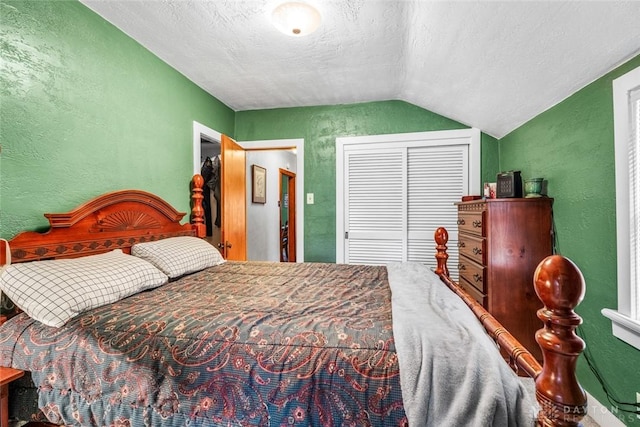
[197, 211]
[560, 286]
[441, 237]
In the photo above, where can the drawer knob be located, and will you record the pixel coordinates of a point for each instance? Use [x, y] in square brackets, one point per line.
[460, 221]
[477, 251]
[477, 278]
[461, 244]
[461, 267]
[477, 224]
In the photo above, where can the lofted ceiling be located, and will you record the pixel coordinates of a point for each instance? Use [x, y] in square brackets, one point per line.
[493, 65]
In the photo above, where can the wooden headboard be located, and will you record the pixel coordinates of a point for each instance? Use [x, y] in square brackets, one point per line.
[115, 220]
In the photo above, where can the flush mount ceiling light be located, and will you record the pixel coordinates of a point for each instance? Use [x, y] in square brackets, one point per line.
[296, 19]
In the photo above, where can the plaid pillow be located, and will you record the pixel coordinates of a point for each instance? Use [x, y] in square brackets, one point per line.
[177, 256]
[55, 291]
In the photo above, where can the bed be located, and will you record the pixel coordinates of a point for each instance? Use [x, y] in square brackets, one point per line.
[198, 340]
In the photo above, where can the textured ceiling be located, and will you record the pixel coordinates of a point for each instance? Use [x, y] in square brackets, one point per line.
[489, 64]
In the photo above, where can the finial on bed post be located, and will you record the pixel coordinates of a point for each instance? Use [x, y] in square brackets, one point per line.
[197, 211]
[441, 237]
[560, 286]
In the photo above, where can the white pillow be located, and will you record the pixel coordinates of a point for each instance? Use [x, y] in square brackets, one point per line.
[55, 291]
[177, 256]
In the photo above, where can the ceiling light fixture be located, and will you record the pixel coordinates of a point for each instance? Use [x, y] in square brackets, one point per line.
[296, 19]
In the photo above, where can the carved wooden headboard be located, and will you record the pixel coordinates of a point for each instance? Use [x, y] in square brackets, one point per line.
[113, 220]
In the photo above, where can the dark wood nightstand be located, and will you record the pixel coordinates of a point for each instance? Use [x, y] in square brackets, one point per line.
[6, 376]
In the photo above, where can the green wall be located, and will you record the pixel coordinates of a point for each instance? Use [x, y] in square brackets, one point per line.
[86, 110]
[571, 145]
[320, 126]
[490, 159]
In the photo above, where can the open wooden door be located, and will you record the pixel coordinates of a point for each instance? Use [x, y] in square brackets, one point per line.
[233, 236]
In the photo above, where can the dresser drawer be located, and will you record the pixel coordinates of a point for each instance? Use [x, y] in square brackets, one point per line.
[473, 273]
[470, 222]
[471, 290]
[473, 247]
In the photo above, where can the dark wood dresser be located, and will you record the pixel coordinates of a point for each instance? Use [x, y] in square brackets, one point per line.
[501, 242]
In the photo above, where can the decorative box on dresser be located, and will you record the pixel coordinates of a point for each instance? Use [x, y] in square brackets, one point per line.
[501, 242]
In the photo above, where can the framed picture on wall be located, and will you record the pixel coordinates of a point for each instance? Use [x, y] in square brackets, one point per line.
[259, 184]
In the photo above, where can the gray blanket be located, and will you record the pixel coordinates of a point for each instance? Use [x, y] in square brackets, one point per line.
[451, 372]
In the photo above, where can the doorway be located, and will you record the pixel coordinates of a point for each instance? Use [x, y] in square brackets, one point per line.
[287, 204]
[264, 222]
[269, 235]
[210, 170]
[295, 144]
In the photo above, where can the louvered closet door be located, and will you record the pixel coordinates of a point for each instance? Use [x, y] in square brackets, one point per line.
[396, 198]
[374, 206]
[436, 179]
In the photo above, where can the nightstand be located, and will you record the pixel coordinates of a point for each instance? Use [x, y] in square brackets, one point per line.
[6, 376]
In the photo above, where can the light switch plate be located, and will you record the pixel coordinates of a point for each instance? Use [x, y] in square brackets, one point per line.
[309, 198]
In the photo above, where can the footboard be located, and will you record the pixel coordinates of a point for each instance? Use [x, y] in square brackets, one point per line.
[560, 286]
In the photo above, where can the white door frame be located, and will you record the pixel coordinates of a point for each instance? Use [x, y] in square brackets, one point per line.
[472, 134]
[200, 130]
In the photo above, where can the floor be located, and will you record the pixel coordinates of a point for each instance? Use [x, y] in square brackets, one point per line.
[530, 386]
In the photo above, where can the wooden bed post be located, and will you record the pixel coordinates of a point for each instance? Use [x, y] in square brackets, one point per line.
[560, 286]
[442, 237]
[197, 211]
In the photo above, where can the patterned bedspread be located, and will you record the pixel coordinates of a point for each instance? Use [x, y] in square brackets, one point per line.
[237, 344]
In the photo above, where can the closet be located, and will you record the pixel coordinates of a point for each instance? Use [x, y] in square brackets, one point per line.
[394, 191]
[210, 169]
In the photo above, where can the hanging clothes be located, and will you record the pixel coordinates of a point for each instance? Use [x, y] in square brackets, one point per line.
[214, 185]
[207, 171]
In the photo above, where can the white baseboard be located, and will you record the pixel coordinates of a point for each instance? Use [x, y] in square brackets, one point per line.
[601, 413]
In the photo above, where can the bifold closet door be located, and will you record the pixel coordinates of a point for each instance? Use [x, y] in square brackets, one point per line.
[375, 203]
[436, 178]
[395, 198]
